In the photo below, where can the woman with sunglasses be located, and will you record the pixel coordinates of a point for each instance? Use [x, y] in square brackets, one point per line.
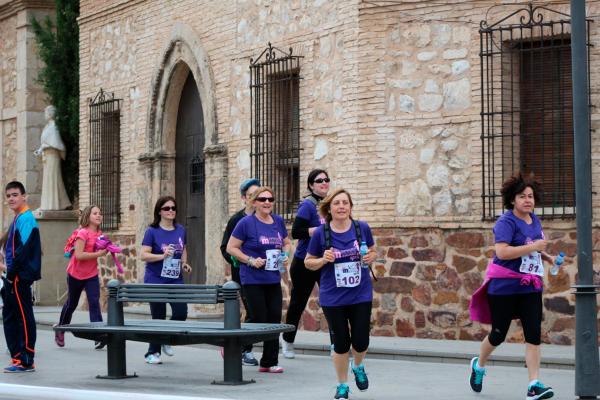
[164, 251]
[260, 242]
[303, 280]
[345, 289]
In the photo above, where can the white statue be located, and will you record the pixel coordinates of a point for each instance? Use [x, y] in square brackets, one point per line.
[52, 149]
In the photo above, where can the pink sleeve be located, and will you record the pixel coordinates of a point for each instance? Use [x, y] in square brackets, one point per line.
[83, 234]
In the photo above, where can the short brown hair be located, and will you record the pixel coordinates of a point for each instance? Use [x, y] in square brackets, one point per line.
[84, 218]
[325, 204]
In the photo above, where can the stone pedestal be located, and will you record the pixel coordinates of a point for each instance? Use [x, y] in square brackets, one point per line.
[55, 229]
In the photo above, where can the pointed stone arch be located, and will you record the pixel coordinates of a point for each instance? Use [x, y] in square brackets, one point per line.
[181, 55]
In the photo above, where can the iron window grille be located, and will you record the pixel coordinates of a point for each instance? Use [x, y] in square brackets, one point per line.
[527, 108]
[105, 157]
[275, 126]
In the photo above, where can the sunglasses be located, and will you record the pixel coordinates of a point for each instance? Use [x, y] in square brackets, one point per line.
[263, 199]
[172, 208]
[321, 180]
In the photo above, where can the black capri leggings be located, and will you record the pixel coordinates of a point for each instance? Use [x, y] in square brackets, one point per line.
[527, 307]
[349, 325]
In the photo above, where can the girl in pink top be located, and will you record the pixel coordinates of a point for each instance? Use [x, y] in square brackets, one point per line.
[82, 272]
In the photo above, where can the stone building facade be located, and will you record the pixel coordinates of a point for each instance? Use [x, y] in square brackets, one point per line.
[22, 100]
[390, 104]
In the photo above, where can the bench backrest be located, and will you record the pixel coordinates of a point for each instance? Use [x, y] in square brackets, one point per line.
[168, 293]
[118, 293]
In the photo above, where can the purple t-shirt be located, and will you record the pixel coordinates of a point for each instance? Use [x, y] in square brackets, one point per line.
[307, 211]
[346, 250]
[257, 238]
[516, 232]
[158, 239]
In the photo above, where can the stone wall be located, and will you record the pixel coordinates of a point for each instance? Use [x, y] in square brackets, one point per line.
[425, 278]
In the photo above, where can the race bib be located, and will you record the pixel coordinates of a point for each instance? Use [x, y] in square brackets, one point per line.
[532, 264]
[272, 259]
[347, 274]
[171, 268]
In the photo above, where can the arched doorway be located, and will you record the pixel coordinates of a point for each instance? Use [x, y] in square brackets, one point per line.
[190, 177]
[184, 62]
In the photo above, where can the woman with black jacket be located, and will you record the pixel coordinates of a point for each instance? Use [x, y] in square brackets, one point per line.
[303, 280]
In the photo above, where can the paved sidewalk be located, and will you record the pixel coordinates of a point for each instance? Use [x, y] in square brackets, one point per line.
[427, 350]
[69, 374]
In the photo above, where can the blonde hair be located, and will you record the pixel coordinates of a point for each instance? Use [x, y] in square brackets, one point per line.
[260, 190]
[325, 204]
[84, 218]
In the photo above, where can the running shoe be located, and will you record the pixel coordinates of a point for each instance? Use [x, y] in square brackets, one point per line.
[539, 391]
[168, 350]
[19, 368]
[275, 369]
[360, 377]
[342, 391]
[59, 339]
[249, 359]
[287, 349]
[153, 358]
[99, 344]
[477, 374]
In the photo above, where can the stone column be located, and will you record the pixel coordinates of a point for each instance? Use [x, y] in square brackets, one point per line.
[31, 101]
[55, 228]
[215, 167]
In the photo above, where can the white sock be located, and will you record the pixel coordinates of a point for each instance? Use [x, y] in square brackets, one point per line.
[479, 367]
[533, 382]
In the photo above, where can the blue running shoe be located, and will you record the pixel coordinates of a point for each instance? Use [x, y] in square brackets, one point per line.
[19, 368]
[477, 374]
[360, 376]
[539, 391]
[342, 391]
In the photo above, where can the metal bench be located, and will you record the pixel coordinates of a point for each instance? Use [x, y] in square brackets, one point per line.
[229, 334]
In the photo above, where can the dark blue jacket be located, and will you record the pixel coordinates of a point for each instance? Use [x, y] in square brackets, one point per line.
[23, 248]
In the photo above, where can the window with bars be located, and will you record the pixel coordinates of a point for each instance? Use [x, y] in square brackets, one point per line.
[105, 157]
[275, 126]
[526, 116]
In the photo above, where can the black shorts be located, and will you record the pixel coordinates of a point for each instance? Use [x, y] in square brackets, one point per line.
[527, 307]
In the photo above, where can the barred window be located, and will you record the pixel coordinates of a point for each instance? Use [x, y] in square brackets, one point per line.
[104, 157]
[275, 126]
[527, 110]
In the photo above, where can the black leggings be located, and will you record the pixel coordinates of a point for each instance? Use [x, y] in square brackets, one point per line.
[349, 325]
[303, 283]
[264, 306]
[159, 311]
[527, 307]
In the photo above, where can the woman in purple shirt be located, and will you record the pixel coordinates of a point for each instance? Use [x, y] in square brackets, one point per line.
[520, 246]
[345, 289]
[164, 251]
[260, 242]
[303, 280]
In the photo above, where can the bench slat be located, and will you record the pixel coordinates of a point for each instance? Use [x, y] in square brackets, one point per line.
[178, 290]
[168, 294]
[136, 286]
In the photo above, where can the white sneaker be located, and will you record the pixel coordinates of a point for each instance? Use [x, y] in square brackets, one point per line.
[287, 349]
[168, 350]
[153, 358]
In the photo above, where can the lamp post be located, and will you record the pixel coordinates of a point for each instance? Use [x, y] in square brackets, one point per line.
[587, 368]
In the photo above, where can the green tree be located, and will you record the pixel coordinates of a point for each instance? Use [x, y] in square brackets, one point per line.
[58, 47]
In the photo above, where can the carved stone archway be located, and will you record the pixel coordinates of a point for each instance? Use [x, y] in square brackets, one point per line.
[183, 54]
